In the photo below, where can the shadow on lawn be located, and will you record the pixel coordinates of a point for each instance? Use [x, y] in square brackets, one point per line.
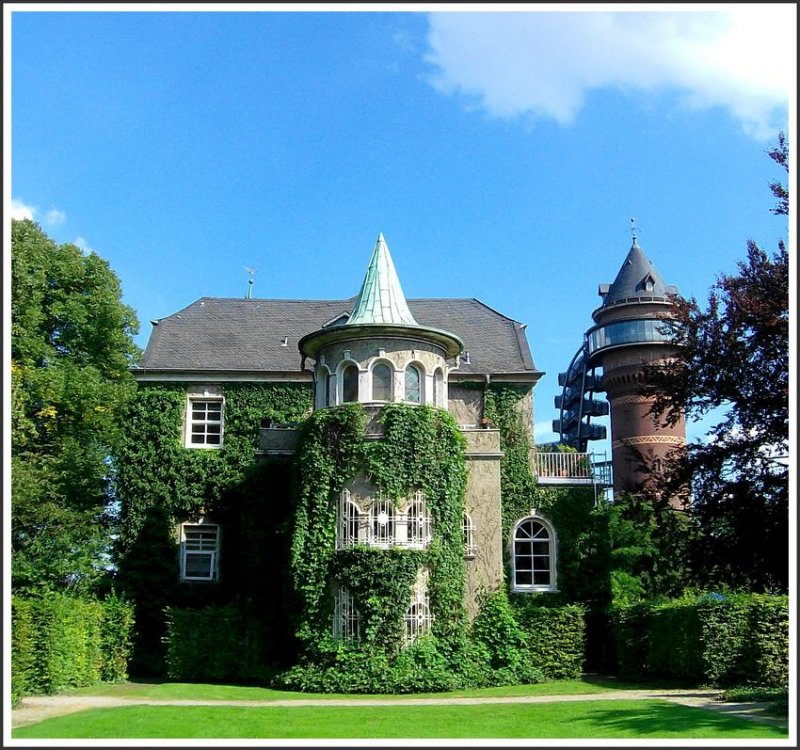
[656, 720]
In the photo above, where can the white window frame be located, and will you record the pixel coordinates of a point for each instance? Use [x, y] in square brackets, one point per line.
[468, 527]
[340, 382]
[392, 385]
[552, 542]
[418, 619]
[191, 548]
[418, 523]
[377, 538]
[421, 375]
[348, 514]
[196, 398]
[346, 618]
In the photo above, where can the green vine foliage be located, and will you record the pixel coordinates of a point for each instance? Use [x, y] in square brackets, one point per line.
[159, 483]
[421, 449]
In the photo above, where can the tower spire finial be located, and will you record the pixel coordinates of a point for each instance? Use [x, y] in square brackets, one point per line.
[250, 273]
[634, 230]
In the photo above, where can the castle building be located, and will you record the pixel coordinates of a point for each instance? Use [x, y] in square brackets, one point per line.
[375, 349]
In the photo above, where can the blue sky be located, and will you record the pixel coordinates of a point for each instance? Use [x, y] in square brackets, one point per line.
[502, 154]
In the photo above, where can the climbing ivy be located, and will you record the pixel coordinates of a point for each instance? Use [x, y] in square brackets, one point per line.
[421, 448]
[160, 483]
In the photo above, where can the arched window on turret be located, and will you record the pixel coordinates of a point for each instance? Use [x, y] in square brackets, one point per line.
[381, 382]
[350, 383]
[413, 384]
[323, 395]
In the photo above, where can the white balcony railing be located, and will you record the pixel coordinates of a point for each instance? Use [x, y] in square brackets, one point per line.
[570, 468]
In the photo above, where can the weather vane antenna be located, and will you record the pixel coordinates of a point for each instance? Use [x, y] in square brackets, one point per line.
[250, 272]
[634, 229]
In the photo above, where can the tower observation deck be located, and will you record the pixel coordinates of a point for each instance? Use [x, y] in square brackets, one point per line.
[628, 334]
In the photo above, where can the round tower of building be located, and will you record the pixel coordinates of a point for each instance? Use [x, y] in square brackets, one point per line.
[379, 353]
[627, 336]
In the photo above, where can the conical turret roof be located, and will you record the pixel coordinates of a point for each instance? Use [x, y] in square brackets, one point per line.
[381, 300]
[637, 278]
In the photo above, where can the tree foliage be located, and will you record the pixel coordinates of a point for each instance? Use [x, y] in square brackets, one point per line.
[71, 347]
[733, 355]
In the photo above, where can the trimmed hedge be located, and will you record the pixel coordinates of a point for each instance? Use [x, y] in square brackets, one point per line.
[556, 637]
[212, 644]
[59, 642]
[740, 639]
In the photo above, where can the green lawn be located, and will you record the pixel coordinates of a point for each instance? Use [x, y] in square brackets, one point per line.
[207, 692]
[643, 719]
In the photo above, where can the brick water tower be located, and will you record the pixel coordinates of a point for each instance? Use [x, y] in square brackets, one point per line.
[627, 336]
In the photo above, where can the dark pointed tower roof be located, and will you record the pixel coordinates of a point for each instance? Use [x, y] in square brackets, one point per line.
[637, 280]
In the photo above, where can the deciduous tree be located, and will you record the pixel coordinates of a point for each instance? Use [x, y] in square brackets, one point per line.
[71, 347]
[733, 356]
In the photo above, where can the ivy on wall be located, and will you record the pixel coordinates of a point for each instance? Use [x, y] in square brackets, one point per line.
[421, 448]
[160, 483]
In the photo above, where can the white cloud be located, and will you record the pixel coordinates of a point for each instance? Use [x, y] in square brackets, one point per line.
[543, 63]
[20, 210]
[83, 245]
[55, 216]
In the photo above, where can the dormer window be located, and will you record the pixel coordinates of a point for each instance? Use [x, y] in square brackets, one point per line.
[649, 283]
[465, 358]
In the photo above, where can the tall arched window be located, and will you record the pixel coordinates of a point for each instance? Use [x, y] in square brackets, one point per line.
[438, 388]
[382, 523]
[348, 522]
[418, 522]
[413, 384]
[534, 556]
[350, 383]
[322, 385]
[468, 527]
[381, 382]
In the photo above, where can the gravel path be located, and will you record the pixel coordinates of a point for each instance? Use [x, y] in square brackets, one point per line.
[37, 708]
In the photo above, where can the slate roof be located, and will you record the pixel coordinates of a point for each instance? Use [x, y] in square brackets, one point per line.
[233, 335]
[631, 282]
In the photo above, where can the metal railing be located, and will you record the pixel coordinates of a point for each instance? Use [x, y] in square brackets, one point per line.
[572, 468]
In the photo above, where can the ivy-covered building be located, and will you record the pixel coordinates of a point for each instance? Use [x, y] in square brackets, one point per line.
[338, 471]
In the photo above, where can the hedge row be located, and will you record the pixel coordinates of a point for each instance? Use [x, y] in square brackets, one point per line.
[513, 644]
[59, 642]
[556, 638]
[212, 644]
[740, 639]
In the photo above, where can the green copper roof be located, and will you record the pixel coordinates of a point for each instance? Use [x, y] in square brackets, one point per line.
[381, 299]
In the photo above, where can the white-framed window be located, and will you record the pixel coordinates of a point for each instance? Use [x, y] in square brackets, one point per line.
[468, 527]
[349, 383]
[348, 522]
[346, 618]
[534, 555]
[204, 422]
[199, 552]
[418, 617]
[382, 377]
[382, 523]
[418, 522]
[413, 385]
